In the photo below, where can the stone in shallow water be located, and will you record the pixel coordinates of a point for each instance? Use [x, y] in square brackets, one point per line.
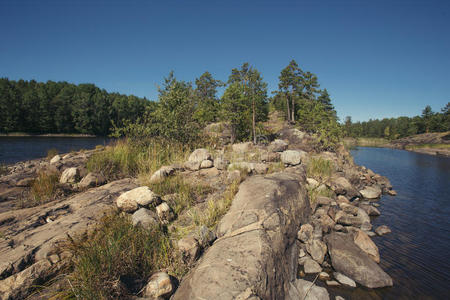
[382, 230]
[344, 279]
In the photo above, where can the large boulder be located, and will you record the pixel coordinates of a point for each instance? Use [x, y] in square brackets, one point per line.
[292, 157]
[342, 186]
[350, 260]
[256, 247]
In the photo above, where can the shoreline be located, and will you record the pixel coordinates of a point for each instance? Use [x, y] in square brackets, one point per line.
[21, 134]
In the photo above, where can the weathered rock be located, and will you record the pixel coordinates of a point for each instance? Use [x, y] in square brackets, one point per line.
[324, 276]
[305, 233]
[342, 186]
[92, 180]
[32, 258]
[270, 156]
[312, 183]
[317, 249]
[306, 290]
[70, 175]
[342, 199]
[256, 241]
[363, 241]
[221, 163]
[350, 260]
[392, 192]
[192, 165]
[199, 155]
[277, 146]
[55, 159]
[261, 168]
[382, 230]
[141, 196]
[322, 200]
[344, 279]
[370, 209]
[206, 164]
[371, 192]
[161, 174]
[145, 218]
[332, 283]
[311, 266]
[234, 176]
[205, 237]
[164, 212]
[242, 147]
[327, 223]
[189, 248]
[159, 285]
[292, 157]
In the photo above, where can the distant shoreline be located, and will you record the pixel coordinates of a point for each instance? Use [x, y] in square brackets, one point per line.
[22, 134]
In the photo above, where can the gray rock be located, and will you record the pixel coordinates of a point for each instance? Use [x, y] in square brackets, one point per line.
[234, 176]
[220, 163]
[342, 186]
[350, 260]
[192, 165]
[344, 279]
[311, 266]
[317, 249]
[382, 230]
[205, 164]
[141, 196]
[371, 192]
[242, 147]
[55, 159]
[70, 175]
[363, 241]
[159, 285]
[261, 168]
[189, 248]
[292, 157]
[277, 146]
[333, 283]
[199, 155]
[306, 290]
[305, 233]
[205, 236]
[92, 180]
[145, 218]
[161, 174]
[164, 212]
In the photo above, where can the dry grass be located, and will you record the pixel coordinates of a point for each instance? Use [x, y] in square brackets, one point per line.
[116, 259]
[43, 189]
[320, 169]
[51, 153]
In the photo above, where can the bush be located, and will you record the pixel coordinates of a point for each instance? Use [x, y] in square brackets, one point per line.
[116, 259]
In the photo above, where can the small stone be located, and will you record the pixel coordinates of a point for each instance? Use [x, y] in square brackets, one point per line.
[382, 230]
[206, 164]
[55, 159]
[324, 276]
[145, 218]
[70, 175]
[392, 192]
[344, 279]
[305, 232]
[205, 236]
[317, 249]
[189, 248]
[164, 212]
[159, 285]
[333, 283]
[301, 253]
[311, 266]
[199, 155]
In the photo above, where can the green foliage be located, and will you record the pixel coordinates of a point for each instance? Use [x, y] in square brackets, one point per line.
[207, 103]
[314, 117]
[320, 169]
[60, 107]
[117, 258]
[244, 102]
[400, 127]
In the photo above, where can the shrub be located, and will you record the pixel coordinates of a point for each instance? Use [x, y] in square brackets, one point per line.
[116, 259]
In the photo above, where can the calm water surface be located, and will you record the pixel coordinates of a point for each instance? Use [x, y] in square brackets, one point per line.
[14, 149]
[416, 253]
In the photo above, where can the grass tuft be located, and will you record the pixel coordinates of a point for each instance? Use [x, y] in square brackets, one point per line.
[44, 188]
[116, 259]
[320, 169]
[51, 153]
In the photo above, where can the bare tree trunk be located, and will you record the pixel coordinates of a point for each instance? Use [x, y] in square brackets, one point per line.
[233, 134]
[293, 109]
[287, 107]
[254, 121]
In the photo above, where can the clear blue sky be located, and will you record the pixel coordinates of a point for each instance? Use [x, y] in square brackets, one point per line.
[376, 58]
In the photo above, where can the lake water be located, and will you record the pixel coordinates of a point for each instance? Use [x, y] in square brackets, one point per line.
[416, 253]
[14, 149]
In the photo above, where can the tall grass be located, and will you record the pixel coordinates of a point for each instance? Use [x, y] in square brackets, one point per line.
[116, 259]
[320, 168]
[432, 146]
[125, 158]
[43, 189]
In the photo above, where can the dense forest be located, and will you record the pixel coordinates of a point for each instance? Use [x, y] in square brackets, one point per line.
[61, 107]
[400, 127]
[181, 111]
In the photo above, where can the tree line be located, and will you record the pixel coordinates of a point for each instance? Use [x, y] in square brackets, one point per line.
[181, 111]
[61, 107]
[394, 128]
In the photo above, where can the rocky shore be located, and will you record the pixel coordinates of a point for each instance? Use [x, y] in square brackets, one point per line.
[298, 212]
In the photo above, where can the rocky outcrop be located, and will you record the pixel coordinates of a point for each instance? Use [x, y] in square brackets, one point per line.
[29, 251]
[256, 248]
[350, 260]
